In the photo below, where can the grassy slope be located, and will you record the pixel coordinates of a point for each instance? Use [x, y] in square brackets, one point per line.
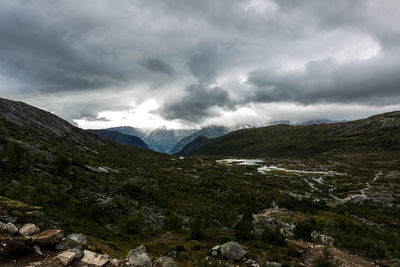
[380, 133]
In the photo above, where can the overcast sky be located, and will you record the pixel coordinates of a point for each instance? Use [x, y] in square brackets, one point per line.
[187, 63]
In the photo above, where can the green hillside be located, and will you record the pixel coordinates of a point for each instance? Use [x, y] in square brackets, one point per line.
[377, 134]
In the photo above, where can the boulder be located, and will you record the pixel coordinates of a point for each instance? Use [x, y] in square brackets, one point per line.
[138, 257]
[8, 228]
[93, 258]
[48, 237]
[69, 256]
[29, 229]
[73, 241]
[232, 251]
[164, 262]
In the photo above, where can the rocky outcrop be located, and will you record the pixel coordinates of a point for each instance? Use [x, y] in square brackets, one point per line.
[138, 257]
[29, 229]
[95, 259]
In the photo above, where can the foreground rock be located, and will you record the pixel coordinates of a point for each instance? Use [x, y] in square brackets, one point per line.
[73, 241]
[48, 237]
[138, 257]
[232, 251]
[69, 256]
[8, 228]
[93, 258]
[29, 229]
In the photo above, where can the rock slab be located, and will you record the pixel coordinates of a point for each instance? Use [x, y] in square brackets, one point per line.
[232, 251]
[48, 237]
[93, 258]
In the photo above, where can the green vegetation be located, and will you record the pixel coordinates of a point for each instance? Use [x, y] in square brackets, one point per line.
[196, 228]
[325, 259]
[304, 229]
[273, 237]
[244, 228]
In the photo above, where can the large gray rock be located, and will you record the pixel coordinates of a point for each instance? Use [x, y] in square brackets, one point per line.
[69, 256]
[29, 229]
[232, 251]
[138, 257]
[73, 241]
[8, 228]
[93, 258]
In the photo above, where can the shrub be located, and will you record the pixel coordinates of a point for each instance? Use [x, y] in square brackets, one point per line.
[273, 237]
[173, 222]
[244, 227]
[61, 165]
[196, 226]
[133, 224]
[325, 259]
[303, 230]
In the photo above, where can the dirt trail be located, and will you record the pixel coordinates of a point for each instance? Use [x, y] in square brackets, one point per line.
[310, 251]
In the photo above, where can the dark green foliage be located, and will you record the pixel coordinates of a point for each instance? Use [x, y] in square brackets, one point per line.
[325, 259]
[61, 165]
[304, 229]
[173, 222]
[273, 237]
[196, 228]
[133, 224]
[365, 239]
[15, 152]
[244, 228]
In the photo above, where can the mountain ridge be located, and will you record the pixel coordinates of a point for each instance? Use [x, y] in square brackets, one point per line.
[125, 139]
[283, 140]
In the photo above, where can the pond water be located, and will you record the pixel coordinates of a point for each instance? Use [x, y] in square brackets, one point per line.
[265, 169]
[250, 162]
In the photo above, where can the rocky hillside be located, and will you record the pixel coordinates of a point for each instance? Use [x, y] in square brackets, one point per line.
[377, 134]
[125, 139]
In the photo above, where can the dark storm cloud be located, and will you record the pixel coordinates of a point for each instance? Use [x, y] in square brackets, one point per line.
[157, 65]
[197, 104]
[187, 51]
[375, 82]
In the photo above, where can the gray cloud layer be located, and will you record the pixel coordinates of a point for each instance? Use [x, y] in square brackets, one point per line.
[191, 53]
